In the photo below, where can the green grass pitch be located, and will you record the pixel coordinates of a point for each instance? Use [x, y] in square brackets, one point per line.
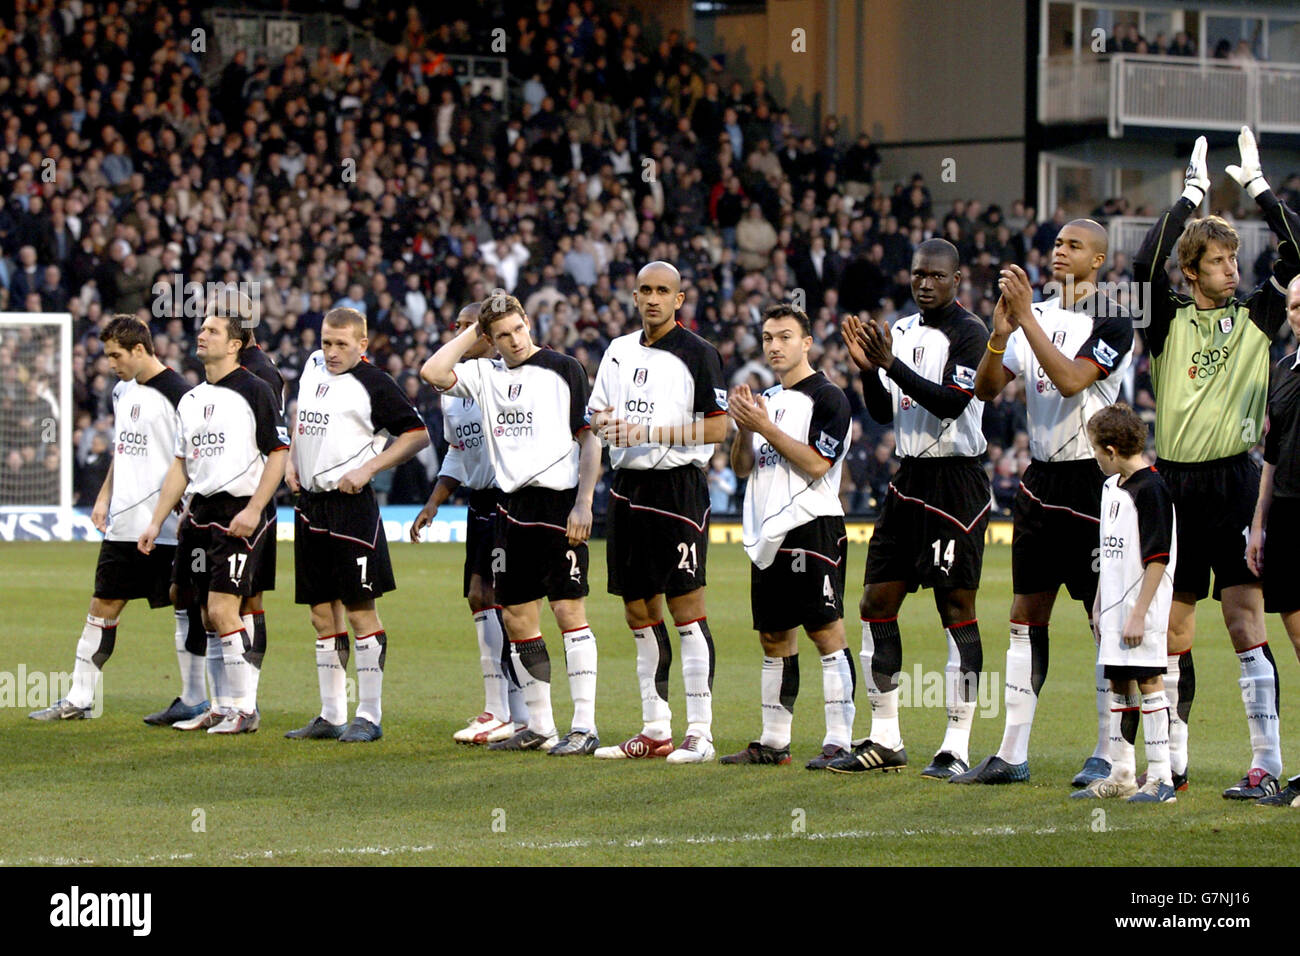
[114, 791]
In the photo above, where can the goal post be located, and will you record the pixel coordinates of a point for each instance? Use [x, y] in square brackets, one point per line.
[36, 417]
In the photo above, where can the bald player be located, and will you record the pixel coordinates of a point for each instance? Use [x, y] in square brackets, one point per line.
[1071, 351]
[660, 403]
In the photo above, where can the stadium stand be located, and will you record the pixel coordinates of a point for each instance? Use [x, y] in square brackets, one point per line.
[325, 178]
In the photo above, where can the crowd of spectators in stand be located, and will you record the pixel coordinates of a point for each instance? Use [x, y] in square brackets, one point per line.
[329, 181]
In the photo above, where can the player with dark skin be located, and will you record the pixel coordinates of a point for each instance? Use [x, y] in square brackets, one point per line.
[870, 345]
[1078, 255]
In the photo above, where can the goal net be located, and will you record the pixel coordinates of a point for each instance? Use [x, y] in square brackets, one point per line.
[36, 423]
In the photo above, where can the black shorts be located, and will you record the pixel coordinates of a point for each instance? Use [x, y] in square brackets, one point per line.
[124, 574]
[1281, 563]
[657, 532]
[1054, 538]
[480, 534]
[804, 586]
[264, 578]
[1214, 502]
[533, 557]
[339, 549]
[930, 532]
[1126, 672]
[209, 558]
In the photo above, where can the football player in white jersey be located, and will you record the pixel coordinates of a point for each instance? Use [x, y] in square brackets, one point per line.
[145, 422]
[468, 465]
[547, 463]
[1138, 559]
[1072, 352]
[791, 446]
[230, 452]
[660, 403]
[347, 409]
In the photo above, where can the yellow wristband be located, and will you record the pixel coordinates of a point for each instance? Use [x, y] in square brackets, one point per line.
[989, 346]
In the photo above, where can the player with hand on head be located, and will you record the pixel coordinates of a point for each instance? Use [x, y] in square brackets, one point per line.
[1138, 556]
[930, 532]
[1276, 525]
[1072, 352]
[659, 402]
[231, 447]
[1210, 371]
[145, 423]
[467, 464]
[346, 407]
[791, 445]
[547, 462]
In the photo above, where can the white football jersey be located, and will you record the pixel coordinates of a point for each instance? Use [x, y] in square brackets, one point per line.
[1138, 525]
[532, 415]
[467, 459]
[1058, 425]
[145, 422]
[675, 381]
[778, 496]
[227, 430]
[947, 353]
[344, 420]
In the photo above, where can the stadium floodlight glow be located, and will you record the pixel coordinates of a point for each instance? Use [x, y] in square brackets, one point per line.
[37, 370]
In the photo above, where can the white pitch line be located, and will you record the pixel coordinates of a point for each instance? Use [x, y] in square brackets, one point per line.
[629, 843]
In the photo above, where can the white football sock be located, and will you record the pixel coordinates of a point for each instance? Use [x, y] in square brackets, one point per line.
[487, 628]
[215, 665]
[1177, 726]
[837, 692]
[515, 691]
[1102, 749]
[961, 712]
[234, 646]
[331, 673]
[535, 672]
[1123, 763]
[884, 703]
[254, 669]
[1258, 684]
[371, 652]
[697, 675]
[654, 657]
[98, 636]
[1155, 726]
[1019, 696]
[580, 660]
[191, 665]
[779, 688]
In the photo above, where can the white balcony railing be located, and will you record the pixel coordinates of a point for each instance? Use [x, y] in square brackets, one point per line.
[1130, 89]
[1127, 233]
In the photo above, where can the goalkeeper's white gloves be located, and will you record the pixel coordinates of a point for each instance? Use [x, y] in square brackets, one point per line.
[1248, 174]
[1197, 181]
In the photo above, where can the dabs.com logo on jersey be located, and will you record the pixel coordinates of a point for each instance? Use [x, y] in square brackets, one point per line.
[313, 423]
[1207, 362]
[469, 435]
[207, 445]
[513, 423]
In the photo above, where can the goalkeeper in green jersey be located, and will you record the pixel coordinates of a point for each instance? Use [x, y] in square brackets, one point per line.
[1209, 368]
